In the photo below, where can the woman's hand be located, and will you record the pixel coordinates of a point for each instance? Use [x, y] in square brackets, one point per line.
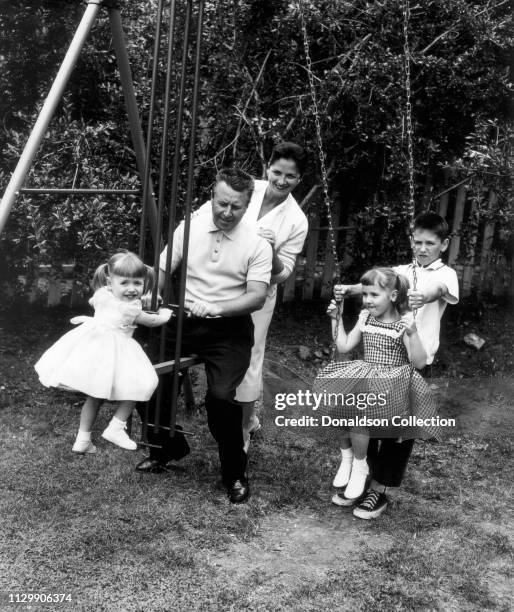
[409, 323]
[268, 235]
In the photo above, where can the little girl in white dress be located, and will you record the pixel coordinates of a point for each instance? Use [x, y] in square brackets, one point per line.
[100, 358]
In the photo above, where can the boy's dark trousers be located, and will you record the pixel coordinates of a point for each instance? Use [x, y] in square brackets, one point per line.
[387, 458]
[224, 345]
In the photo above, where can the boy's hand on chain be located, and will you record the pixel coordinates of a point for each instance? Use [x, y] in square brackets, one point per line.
[417, 299]
[341, 291]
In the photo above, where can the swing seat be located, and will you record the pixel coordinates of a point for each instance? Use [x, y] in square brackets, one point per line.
[166, 367]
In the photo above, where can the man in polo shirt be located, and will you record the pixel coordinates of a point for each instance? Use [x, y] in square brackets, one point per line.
[228, 273]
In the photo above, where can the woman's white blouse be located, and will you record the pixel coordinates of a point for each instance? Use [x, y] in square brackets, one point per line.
[287, 220]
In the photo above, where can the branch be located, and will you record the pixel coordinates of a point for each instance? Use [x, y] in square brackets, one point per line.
[438, 38]
[252, 92]
[315, 188]
[464, 180]
[233, 142]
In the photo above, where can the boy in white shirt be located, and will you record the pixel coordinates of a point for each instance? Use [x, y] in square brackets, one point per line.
[436, 286]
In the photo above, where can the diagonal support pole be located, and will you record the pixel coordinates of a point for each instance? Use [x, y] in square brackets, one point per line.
[54, 96]
[127, 85]
[47, 112]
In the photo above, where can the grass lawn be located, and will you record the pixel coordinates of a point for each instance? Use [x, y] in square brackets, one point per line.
[92, 527]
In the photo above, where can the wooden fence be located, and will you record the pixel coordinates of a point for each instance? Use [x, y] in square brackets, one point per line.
[479, 267]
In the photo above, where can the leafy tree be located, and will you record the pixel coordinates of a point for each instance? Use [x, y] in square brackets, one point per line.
[255, 92]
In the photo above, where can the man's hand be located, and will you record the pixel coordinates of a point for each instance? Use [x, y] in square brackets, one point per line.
[204, 309]
[417, 299]
[268, 235]
[342, 291]
[409, 323]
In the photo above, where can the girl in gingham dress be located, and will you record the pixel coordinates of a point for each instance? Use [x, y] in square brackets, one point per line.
[385, 383]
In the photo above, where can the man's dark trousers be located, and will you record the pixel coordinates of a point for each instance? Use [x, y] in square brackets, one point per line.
[224, 345]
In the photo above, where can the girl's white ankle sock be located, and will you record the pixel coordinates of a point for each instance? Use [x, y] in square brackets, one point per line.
[343, 473]
[357, 483]
[361, 465]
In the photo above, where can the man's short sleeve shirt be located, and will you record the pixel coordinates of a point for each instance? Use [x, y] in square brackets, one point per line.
[220, 263]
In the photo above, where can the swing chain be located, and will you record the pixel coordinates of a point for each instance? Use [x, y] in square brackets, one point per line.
[324, 174]
[408, 106]
[408, 122]
[319, 140]
[339, 315]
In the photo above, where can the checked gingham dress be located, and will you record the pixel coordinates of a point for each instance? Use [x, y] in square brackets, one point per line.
[384, 370]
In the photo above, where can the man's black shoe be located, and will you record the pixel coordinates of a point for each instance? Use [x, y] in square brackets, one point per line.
[238, 491]
[178, 447]
[151, 466]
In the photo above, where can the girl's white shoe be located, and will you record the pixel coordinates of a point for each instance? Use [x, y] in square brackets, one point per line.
[83, 447]
[117, 435]
[357, 483]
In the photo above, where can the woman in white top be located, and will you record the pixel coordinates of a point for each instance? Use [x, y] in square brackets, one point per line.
[278, 218]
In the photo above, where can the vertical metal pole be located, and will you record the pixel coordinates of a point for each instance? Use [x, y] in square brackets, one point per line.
[149, 133]
[187, 221]
[175, 174]
[165, 131]
[173, 203]
[47, 111]
[127, 85]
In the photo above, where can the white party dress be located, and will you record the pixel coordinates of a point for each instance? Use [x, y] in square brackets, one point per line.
[100, 358]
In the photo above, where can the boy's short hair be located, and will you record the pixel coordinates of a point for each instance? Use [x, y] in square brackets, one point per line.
[432, 222]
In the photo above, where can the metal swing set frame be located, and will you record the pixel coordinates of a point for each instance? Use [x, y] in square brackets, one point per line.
[152, 207]
[152, 210]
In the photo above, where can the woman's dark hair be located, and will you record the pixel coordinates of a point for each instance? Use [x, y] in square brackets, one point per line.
[289, 150]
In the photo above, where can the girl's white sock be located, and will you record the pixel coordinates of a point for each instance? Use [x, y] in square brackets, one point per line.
[83, 436]
[361, 465]
[357, 483]
[345, 469]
